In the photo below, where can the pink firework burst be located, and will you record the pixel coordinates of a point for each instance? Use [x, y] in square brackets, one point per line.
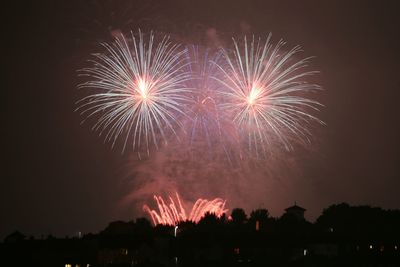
[173, 212]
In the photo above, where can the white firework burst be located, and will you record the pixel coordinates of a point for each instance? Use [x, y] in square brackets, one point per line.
[264, 89]
[138, 91]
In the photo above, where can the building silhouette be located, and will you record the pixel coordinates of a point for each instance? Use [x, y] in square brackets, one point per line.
[296, 212]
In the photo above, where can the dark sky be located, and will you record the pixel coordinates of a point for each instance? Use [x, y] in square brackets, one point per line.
[58, 177]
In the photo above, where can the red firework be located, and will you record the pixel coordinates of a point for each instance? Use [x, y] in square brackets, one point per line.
[172, 214]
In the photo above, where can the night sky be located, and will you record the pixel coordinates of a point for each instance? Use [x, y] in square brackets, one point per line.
[58, 177]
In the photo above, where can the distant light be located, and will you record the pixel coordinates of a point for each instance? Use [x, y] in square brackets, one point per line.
[68, 265]
[257, 225]
[395, 247]
[371, 247]
[331, 229]
[305, 252]
[176, 228]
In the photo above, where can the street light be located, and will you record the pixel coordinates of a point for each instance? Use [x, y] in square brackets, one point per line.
[176, 228]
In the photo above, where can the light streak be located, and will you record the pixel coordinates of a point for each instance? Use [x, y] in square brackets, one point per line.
[173, 212]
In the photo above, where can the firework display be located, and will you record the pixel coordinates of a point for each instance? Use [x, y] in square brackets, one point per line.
[208, 131]
[145, 91]
[263, 91]
[245, 101]
[139, 91]
[204, 118]
[172, 213]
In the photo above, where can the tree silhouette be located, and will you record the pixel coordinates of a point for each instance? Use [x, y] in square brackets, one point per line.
[261, 215]
[209, 219]
[359, 221]
[143, 223]
[347, 235]
[238, 216]
[259, 219]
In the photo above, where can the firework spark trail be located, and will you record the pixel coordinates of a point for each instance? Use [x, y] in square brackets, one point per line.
[209, 131]
[139, 91]
[262, 88]
[204, 123]
[145, 92]
[202, 206]
[170, 214]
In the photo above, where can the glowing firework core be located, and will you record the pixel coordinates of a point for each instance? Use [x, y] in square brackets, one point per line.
[253, 95]
[171, 214]
[143, 89]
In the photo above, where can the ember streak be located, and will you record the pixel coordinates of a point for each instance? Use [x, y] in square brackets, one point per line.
[173, 212]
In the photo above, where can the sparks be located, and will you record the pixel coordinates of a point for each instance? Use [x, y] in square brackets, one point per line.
[246, 100]
[263, 89]
[173, 212]
[204, 122]
[139, 91]
[209, 132]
